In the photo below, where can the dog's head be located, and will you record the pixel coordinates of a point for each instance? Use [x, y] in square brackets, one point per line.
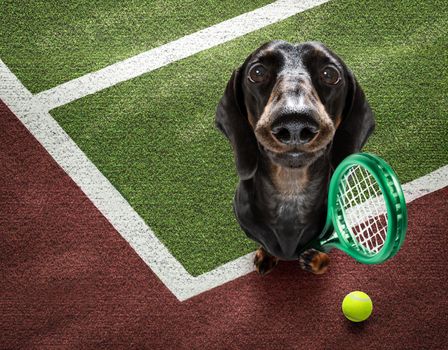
[293, 103]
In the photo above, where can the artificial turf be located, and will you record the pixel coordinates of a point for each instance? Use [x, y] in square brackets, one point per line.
[47, 42]
[153, 137]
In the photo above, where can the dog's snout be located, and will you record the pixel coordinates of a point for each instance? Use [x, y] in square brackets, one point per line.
[294, 129]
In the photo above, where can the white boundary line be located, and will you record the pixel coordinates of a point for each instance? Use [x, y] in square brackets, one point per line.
[33, 111]
[173, 51]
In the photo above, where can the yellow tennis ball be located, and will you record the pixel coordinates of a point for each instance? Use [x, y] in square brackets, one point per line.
[357, 306]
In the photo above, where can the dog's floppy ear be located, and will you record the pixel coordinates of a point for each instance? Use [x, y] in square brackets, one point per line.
[356, 125]
[231, 119]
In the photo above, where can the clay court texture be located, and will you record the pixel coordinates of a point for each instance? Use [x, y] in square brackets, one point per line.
[116, 225]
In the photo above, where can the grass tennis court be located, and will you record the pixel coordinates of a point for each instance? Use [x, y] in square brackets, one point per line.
[48, 42]
[153, 137]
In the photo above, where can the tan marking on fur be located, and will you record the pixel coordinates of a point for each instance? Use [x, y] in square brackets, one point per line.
[268, 51]
[252, 120]
[263, 257]
[266, 117]
[326, 131]
[337, 121]
[319, 263]
[317, 52]
[263, 128]
[287, 181]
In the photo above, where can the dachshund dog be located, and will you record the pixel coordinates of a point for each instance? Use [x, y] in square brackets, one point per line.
[292, 113]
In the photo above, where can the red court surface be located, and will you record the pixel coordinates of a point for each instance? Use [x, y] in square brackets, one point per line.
[68, 280]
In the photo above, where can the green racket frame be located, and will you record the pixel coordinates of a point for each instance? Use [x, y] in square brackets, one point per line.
[335, 233]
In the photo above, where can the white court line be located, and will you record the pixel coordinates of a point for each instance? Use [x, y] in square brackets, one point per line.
[173, 51]
[33, 111]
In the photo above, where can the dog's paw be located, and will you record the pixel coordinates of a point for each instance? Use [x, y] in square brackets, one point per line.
[314, 261]
[264, 262]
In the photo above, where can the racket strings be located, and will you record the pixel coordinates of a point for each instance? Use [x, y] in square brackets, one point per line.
[374, 192]
[364, 210]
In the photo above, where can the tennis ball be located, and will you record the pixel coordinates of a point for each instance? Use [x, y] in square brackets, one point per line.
[357, 306]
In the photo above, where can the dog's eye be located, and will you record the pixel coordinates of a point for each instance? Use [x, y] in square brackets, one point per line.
[330, 75]
[257, 74]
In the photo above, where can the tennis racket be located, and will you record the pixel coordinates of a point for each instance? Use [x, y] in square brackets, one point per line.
[367, 215]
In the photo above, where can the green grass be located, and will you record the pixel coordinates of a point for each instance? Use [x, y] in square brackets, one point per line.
[47, 42]
[153, 137]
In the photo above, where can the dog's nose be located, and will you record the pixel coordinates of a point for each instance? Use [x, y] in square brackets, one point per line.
[294, 129]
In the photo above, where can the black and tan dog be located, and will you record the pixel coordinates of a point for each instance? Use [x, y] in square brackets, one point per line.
[291, 113]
